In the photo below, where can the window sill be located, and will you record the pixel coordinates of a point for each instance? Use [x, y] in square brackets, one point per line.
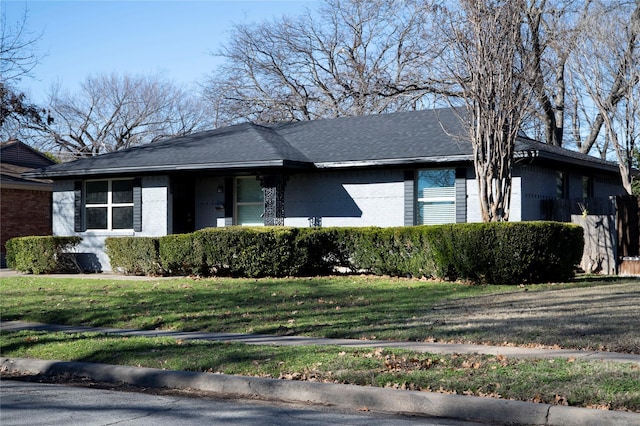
[108, 233]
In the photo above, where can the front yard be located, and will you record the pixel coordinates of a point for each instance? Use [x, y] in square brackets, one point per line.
[585, 314]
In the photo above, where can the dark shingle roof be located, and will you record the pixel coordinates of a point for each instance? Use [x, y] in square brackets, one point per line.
[385, 139]
[375, 139]
[20, 154]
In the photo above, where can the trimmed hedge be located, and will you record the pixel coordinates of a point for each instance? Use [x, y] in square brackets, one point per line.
[134, 255]
[504, 253]
[42, 254]
[181, 254]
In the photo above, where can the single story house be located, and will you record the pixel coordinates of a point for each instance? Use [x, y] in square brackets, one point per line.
[383, 170]
[25, 203]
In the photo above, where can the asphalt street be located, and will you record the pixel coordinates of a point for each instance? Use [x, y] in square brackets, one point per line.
[25, 403]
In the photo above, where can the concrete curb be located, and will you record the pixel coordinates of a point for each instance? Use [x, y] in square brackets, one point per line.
[344, 396]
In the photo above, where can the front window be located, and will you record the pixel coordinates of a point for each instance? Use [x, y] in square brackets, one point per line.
[587, 187]
[249, 202]
[561, 185]
[436, 197]
[109, 204]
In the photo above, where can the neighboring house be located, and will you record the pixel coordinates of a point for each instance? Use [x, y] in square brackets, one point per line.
[25, 203]
[384, 170]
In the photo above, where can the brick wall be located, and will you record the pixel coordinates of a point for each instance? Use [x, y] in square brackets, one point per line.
[22, 213]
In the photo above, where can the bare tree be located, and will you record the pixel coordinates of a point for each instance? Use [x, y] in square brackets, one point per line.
[487, 58]
[562, 112]
[18, 49]
[605, 66]
[554, 26]
[609, 75]
[356, 57]
[18, 57]
[113, 112]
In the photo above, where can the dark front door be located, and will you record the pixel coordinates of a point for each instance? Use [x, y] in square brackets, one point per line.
[183, 192]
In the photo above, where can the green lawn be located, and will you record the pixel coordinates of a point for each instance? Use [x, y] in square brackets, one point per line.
[585, 314]
[357, 307]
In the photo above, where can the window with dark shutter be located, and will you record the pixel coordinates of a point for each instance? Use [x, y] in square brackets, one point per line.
[114, 204]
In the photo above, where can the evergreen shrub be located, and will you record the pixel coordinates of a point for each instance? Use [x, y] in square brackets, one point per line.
[181, 254]
[42, 254]
[494, 253]
[134, 255]
[506, 252]
[252, 251]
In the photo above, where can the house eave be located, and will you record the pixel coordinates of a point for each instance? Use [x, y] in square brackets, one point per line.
[283, 164]
[550, 156]
[394, 161]
[33, 186]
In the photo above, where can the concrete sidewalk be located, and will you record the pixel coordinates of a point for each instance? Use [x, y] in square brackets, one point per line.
[264, 339]
[490, 410]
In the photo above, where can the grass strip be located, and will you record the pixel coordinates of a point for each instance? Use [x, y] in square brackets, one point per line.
[359, 307]
[593, 384]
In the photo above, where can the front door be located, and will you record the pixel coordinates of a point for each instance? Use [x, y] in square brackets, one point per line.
[183, 192]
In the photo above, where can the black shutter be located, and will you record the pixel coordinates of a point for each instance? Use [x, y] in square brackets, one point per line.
[137, 205]
[228, 197]
[78, 216]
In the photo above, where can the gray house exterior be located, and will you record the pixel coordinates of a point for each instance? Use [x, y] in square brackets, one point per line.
[384, 170]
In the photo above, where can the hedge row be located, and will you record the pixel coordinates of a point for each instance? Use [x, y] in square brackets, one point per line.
[507, 253]
[42, 255]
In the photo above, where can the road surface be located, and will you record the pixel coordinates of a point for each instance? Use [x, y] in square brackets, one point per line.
[28, 403]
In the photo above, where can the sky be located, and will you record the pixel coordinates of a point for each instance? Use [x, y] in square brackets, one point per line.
[170, 37]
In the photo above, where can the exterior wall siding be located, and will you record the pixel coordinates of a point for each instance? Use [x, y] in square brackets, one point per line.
[63, 208]
[374, 197]
[91, 253]
[346, 198]
[23, 212]
[155, 202]
[473, 201]
[607, 186]
[539, 183]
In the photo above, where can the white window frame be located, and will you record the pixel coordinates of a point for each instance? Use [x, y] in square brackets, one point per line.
[237, 203]
[109, 205]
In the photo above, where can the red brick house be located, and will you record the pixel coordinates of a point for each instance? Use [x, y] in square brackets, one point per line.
[25, 203]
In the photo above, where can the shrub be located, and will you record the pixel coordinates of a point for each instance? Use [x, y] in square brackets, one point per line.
[134, 255]
[42, 255]
[252, 252]
[501, 253]
[506, 253]
[181, 254]
[318, 251]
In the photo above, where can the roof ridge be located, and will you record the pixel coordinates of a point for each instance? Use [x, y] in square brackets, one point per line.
[279, 143]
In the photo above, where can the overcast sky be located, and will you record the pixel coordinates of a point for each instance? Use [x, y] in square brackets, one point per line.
[174, 38]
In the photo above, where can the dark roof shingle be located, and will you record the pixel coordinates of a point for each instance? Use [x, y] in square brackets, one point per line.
[385, 139]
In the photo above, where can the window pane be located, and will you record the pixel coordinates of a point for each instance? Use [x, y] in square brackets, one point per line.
[587, 187]
[97, 192]
[249, 191]
[97, 218]
[122, 218]
[561, 185]
[122, 191]
[436, 197]
[436, 179]
[437, 213]
[250, 215]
